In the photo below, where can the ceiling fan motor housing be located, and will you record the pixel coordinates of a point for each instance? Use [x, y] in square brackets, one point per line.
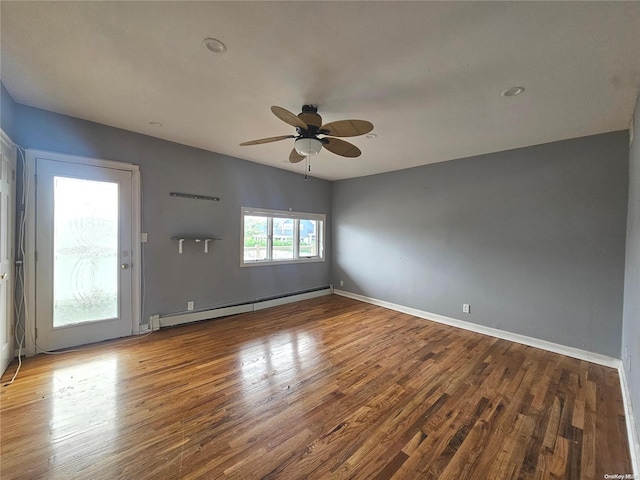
[310, 116]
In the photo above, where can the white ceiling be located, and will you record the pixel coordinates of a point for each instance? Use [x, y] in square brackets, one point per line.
[427, 74]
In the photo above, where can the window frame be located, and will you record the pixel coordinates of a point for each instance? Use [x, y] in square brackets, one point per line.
[296, 217]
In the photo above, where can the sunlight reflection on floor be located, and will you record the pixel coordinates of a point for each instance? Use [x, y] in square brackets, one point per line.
[84, 406]
[263, 358]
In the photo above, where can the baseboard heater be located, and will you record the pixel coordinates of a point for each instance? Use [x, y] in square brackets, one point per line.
[172, 320]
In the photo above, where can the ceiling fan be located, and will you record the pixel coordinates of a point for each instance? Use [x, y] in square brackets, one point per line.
[312, 135]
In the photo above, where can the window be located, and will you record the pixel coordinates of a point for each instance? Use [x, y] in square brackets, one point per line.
[273, 236]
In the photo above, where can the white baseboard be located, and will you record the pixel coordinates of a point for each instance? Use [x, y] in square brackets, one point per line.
[493, 332]
[190, 317]
[293, 298]
[632, 431]
[174, 320]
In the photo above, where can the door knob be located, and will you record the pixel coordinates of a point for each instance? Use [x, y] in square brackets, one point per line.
[124, 266]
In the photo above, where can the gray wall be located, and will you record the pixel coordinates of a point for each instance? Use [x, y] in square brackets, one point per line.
[7, 112]
[171, 280]
[533, 239]
[631, 312]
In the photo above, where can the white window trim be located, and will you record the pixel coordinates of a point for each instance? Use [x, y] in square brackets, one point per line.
[297, 216]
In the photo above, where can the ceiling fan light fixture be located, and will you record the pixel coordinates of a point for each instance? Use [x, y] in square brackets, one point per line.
[308, 146]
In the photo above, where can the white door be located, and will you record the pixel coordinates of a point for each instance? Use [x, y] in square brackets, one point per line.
[83, 254]
[7, 180]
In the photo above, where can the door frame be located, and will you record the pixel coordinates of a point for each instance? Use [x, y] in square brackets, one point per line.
[11, 243]
[30, 235]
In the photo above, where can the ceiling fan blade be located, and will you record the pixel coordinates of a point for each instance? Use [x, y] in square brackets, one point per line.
[267, 140]
[295, 157]
[288, 117]
[347, 128]
[340, 147]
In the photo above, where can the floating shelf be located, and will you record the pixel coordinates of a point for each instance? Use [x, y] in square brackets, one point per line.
[195, 238]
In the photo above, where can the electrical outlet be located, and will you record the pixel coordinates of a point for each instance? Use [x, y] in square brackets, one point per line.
[189, 305]
[342, 283]
[466, 308]
[143, 237]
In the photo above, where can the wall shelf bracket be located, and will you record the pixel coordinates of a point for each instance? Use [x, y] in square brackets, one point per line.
[206, 239]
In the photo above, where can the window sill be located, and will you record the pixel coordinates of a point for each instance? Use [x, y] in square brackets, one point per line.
[257, 263]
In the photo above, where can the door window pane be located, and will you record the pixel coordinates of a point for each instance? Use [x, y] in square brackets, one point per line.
[85, 265]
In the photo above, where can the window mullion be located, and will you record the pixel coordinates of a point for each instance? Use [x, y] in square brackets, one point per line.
[270, 238]
[296, 238]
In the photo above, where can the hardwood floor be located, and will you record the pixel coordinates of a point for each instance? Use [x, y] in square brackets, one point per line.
[325, 388]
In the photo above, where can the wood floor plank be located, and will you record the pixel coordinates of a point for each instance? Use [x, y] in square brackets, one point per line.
[325, 388]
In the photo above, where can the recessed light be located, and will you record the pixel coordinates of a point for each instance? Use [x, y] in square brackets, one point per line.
[155, 124]
[214, 45]
[512, 92]
[371, 135]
